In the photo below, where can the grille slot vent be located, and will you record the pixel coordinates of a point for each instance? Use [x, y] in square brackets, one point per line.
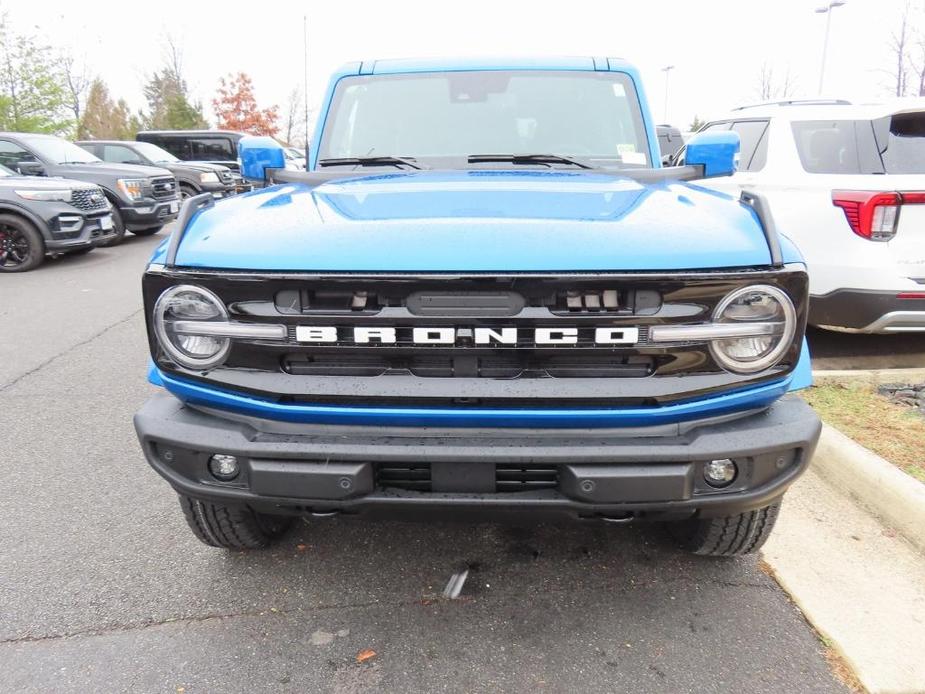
[409, 476]
[516, 477]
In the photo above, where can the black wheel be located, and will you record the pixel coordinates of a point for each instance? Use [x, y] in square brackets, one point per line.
[232, 527]
[119, 227]
[726, 536]
[21, 244]
[150, 231]
[186, 192]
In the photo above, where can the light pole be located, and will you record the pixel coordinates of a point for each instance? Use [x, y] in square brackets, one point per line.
[827, 11]
[667, 69]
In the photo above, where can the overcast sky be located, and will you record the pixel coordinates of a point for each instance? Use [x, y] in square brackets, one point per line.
[716, 46]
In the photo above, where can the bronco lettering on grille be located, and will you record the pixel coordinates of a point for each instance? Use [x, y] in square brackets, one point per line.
[363, 335]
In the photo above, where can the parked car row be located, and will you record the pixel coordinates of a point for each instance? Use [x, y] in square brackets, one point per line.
[60, 197]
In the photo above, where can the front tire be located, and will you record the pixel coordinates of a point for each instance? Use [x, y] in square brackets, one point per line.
[726, 536]
[119, 225]
[21, 245]
[232, 527]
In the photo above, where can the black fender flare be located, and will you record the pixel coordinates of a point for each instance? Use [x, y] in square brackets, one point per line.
[11, 207]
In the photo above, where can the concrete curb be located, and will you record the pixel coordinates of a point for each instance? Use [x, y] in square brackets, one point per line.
[876, 376]
[873, 483]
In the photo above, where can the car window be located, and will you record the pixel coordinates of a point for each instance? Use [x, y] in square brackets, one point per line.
[120, 154]
[904, 138]
[827, 146]
[751, 136]
[714, 127]
[178, 147]
[212, 148]
[11, 154]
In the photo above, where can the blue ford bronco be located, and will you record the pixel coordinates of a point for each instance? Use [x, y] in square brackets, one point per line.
[484, 296]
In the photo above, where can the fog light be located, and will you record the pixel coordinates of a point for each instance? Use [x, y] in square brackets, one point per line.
[720, 473]
[223, 467]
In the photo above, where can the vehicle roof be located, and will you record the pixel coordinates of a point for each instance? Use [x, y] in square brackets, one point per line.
[813, 110]
[400, 65]
[44, 136]
[109, 142]
[190, 132]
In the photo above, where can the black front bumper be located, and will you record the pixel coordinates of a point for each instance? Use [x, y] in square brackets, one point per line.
[861, 310]
[150, 213]
[618, 473]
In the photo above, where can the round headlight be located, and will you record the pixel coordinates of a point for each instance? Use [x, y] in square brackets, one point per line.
[190, 303]
[771, 312]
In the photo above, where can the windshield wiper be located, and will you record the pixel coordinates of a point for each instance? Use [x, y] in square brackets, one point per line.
[372, 161]
[528, 159]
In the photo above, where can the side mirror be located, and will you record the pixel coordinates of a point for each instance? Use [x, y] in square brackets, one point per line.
[30, 168]
[716, 152]
[257, 154]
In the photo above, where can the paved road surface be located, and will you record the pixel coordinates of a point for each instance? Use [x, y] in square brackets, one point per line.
[102, 588]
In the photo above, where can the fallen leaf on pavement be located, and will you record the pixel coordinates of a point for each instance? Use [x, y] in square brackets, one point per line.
[365, 654]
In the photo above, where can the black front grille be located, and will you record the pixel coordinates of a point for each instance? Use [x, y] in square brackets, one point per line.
[509, 477]
[164, 188]
[89, 199]
[508, 366]
[225, 177]
[481, 340]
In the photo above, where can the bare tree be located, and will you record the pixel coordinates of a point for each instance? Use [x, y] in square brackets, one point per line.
[76, 81]
[769, 88]
[899, 47]
[292, 124]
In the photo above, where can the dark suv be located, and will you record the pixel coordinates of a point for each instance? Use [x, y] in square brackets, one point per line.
[193, 177]
[53, 216]
[144, 198]
[214, 146]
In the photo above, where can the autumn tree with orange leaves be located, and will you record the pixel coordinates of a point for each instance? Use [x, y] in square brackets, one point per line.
[236, 107]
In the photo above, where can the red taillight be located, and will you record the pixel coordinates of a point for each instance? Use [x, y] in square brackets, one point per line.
[911, 295]
[871, 215]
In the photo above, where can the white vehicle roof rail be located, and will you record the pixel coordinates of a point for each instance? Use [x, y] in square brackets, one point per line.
[797, 102]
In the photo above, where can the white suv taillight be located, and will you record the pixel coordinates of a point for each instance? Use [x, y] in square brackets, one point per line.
[871, 215]
[874, 215]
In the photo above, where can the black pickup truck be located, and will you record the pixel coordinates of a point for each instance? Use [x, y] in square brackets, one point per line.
[143, 198]
[193, 177]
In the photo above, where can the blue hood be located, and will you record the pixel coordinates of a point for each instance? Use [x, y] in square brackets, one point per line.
[475, 221]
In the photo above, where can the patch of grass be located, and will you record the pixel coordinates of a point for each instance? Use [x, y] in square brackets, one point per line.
[892, 431]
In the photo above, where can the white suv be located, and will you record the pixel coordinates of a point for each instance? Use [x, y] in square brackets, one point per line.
[847, 184]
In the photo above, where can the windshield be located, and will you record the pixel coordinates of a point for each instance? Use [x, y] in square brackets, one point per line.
[58, 151]
[153, 152]
[592, 115]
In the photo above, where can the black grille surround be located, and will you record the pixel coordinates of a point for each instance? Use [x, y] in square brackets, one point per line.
[469, 375]
[164, 188]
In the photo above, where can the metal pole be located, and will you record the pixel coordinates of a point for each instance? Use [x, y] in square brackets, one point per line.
[305, 80]
[825, 47]
[667, 70]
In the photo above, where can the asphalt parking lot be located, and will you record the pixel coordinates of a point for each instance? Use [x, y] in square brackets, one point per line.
[102, 587]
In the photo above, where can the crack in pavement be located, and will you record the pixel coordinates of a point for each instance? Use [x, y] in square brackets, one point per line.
[147, 624]
[423, 600]
[60, 354]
